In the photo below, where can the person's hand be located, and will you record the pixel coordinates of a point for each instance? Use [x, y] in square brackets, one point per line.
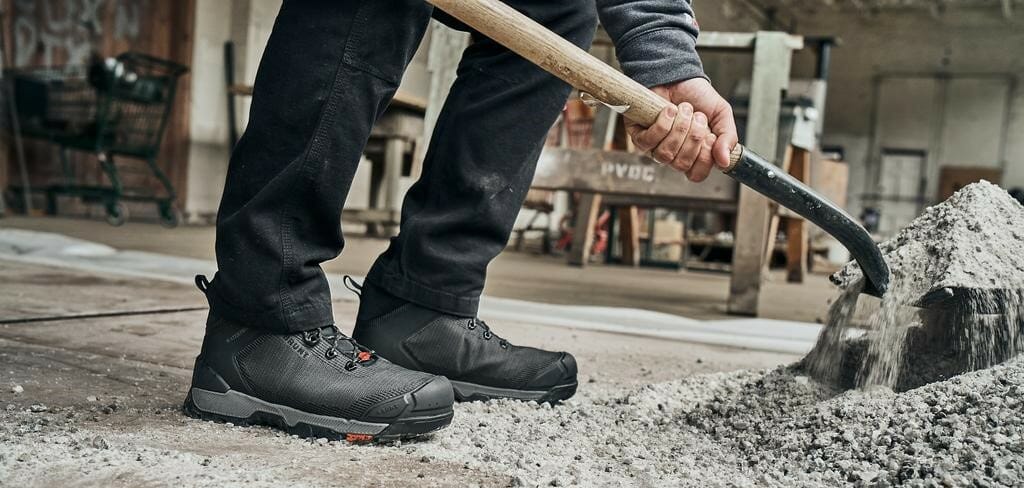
[692, 136]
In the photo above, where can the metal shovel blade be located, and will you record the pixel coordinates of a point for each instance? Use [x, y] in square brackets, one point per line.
[769, 180]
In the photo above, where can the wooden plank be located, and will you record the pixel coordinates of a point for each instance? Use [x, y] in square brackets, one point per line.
[629, 235]
[772, 57]
[697, 205]
[622, 173]
[409, 101]
[400, 123]
[583, 228]
[370, 215]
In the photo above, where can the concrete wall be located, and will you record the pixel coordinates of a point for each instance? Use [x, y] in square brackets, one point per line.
[974, 56]
[248, 24]
[948, 83]
[208, 148]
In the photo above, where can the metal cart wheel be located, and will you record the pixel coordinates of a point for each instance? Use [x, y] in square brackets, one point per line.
[170, 215]
[117, 213]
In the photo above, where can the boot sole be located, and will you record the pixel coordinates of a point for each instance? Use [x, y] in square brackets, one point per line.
[472, 392]
[241, 409]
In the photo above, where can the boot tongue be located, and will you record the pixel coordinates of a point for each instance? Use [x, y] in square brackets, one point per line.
[341, 342]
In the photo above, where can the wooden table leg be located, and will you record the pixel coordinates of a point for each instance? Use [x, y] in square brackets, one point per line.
[587, 210]
[629, 235]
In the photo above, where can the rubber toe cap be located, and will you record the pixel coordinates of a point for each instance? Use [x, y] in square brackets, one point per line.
[435, 395]
[560, 372]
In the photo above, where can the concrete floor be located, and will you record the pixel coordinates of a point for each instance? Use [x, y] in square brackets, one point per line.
[94, 368]
[699, 295]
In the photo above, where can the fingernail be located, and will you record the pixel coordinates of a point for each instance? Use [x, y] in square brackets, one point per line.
[672, 111]
[701, 119]
[687, 108]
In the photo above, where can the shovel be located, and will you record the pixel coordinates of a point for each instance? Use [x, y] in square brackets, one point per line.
[589, 75]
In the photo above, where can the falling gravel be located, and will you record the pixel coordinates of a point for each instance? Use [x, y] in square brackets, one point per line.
[954, 304]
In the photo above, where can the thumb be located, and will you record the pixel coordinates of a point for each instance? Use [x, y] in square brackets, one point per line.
[722, 149]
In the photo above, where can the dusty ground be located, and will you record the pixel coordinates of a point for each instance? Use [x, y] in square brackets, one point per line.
[698, 295]
[94, 367]
[94, 400]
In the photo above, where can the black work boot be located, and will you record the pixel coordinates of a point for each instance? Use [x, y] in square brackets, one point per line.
[479, 364]
[317, 383]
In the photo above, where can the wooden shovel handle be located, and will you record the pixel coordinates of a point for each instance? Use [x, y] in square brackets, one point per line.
[521, 34]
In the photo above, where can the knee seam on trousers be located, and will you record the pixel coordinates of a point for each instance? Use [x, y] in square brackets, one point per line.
[313, 151]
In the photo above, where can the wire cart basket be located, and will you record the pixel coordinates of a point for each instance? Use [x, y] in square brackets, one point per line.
[118, 107]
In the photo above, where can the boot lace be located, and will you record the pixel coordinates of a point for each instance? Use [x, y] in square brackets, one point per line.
[488, 335]
[356, 354]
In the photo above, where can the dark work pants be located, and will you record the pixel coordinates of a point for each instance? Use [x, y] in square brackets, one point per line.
[329, 70]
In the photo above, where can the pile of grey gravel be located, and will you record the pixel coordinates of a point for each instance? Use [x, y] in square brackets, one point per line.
[746, 428]
[972, 240]
[972, 243]
[942, 425]
[766, 428]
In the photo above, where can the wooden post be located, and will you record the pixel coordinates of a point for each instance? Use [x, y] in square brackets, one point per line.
[796, 229]
[629, 235]
[583, 236]
[772, 56]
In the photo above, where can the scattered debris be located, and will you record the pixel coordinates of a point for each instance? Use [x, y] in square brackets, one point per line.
[778, 427]
[99, 443]
[17, 389]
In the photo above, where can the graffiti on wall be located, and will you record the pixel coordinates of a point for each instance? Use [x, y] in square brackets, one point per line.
[68, 31]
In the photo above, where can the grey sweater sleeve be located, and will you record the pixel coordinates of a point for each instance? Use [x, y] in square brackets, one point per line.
[655, 40]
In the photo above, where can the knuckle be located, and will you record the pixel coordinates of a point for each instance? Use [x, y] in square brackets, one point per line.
[663, 154]
[698, 134]
[640, 142]
[683, 164]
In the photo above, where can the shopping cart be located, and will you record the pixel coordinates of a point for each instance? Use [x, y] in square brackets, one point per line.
[115, 108]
